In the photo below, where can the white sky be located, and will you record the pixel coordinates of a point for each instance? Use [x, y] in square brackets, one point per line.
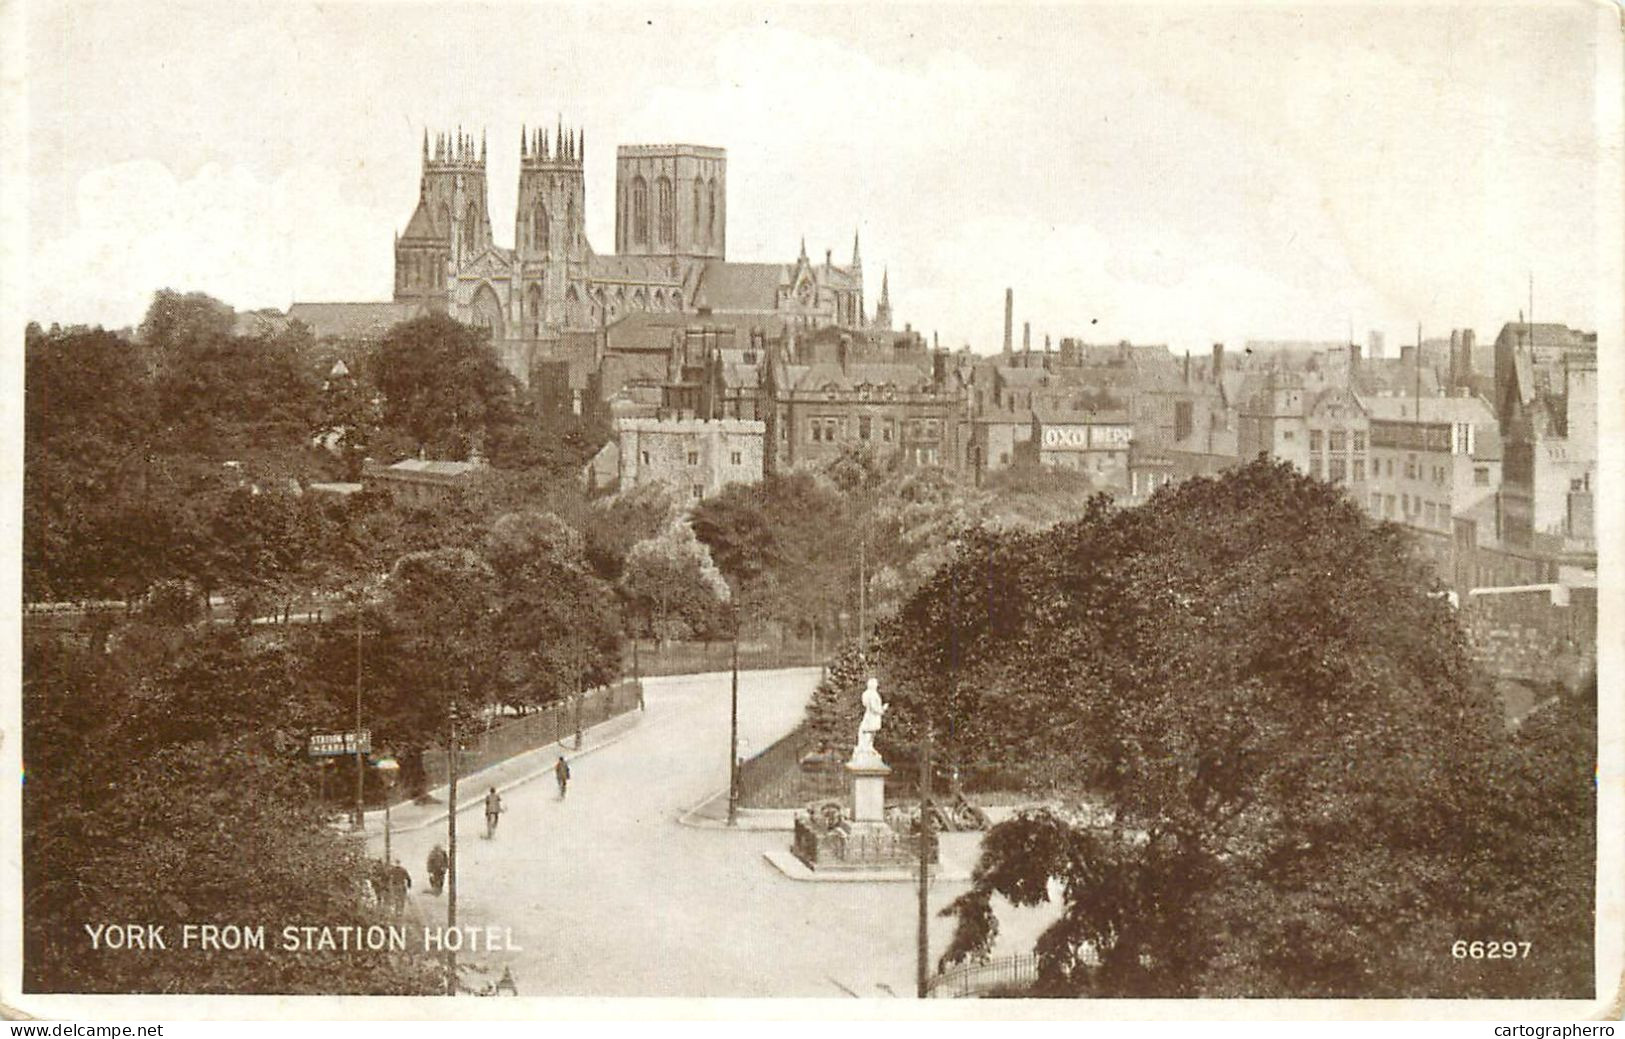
[1159, 173]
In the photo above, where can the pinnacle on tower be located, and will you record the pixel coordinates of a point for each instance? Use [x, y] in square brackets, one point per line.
[558, 138]
[524, 152]
[570, 144]
[425, 144]
[885, 287]
[482, 145]
[857, 260]
[803, 248]
[581, 143]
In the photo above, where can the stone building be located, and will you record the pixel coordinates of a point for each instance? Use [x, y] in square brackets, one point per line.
[1093, 443]
[694, 457]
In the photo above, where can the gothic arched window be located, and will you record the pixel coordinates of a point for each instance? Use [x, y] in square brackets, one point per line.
[640, 211]
[711, 210]
[471, 231]
[696, 211]
[667, 224]
[570, 223]
[533, 311]
[540, 230]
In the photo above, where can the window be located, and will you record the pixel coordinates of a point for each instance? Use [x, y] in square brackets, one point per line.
[539, 229]
[1388, 505]
[863, 427]
[1410, 467]
[1464, 438]
[815, 430]
[1359, 470]
[668, 221]
[1359, 440]
[1338, 439]
[1376, 505]
[640, 211]
[1183, 423]
[1287, 435]
[888, 430]
[737, 458]
[1390, 467]
[1431, 513]
[711, 209]
[696, 210]
[1314, 440]
[1339, 470]
[693, 458]
[1314, 466]
[645, 457]
[699, 491]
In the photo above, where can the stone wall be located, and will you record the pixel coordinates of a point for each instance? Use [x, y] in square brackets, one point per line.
[1533, 634]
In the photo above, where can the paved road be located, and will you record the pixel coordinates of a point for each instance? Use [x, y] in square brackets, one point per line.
[609, 896]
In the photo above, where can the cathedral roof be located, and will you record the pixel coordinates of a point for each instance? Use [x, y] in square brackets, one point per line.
[741, 286]
[421, 226]
[647, 269]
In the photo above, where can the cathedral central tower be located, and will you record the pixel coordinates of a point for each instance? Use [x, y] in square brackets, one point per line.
[671, 200]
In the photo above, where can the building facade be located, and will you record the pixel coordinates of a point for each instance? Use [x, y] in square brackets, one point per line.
[696, 458]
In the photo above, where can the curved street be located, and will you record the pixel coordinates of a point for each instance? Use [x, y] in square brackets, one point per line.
[608, 894]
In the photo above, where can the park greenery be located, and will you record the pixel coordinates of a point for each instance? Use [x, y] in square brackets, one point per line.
[1260, 761]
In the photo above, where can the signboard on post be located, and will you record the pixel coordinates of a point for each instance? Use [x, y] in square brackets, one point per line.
[336, 744]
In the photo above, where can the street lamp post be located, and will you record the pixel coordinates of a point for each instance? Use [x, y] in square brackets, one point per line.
[733, 728]
[360, 767]
[451, 853]
[388, 770]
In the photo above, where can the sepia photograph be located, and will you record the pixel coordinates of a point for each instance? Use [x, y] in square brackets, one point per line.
[1059, 507]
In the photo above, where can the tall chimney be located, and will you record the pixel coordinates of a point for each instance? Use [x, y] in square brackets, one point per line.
[1354, 366]
[1009, 315]
[1218, 360]
[1026, 337]
[1187, 363]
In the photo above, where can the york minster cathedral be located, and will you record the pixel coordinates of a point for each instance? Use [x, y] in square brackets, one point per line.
[671, 208]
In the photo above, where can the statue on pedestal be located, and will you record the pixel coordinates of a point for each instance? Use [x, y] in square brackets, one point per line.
[873, 711]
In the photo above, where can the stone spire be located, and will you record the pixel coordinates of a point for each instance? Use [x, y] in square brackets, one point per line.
[857, 257]
[883, 308]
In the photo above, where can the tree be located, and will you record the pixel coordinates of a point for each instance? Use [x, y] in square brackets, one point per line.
[557, 625]
[1266, 726]
[443, 385]
[674, 587]
[180, 795]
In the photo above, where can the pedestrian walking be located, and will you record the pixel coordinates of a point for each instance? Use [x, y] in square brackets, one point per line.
[398, 882]
[493, 808]
[561, 772]
[438, 863]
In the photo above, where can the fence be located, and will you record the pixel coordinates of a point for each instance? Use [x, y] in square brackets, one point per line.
[553, 724]
[969, 980]
[775, 779]
[688, 658]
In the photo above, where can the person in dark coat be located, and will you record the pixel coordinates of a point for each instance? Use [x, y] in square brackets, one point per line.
[493, 808]
[561, 772]
[438, 863]
[398, 882]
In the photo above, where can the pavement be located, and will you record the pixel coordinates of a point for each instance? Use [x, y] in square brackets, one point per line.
[605, 893]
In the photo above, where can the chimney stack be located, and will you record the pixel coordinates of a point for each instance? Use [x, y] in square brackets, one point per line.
[1354, 366]
[1009, 314]
[1187, 363]
[1027, 337]
[1218, 361]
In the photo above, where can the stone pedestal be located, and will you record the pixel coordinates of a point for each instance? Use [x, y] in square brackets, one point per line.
[868, 788]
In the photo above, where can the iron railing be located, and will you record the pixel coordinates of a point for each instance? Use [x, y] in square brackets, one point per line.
[970, 980]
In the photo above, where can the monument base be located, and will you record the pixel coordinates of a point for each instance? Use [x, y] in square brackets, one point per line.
[868, 788]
